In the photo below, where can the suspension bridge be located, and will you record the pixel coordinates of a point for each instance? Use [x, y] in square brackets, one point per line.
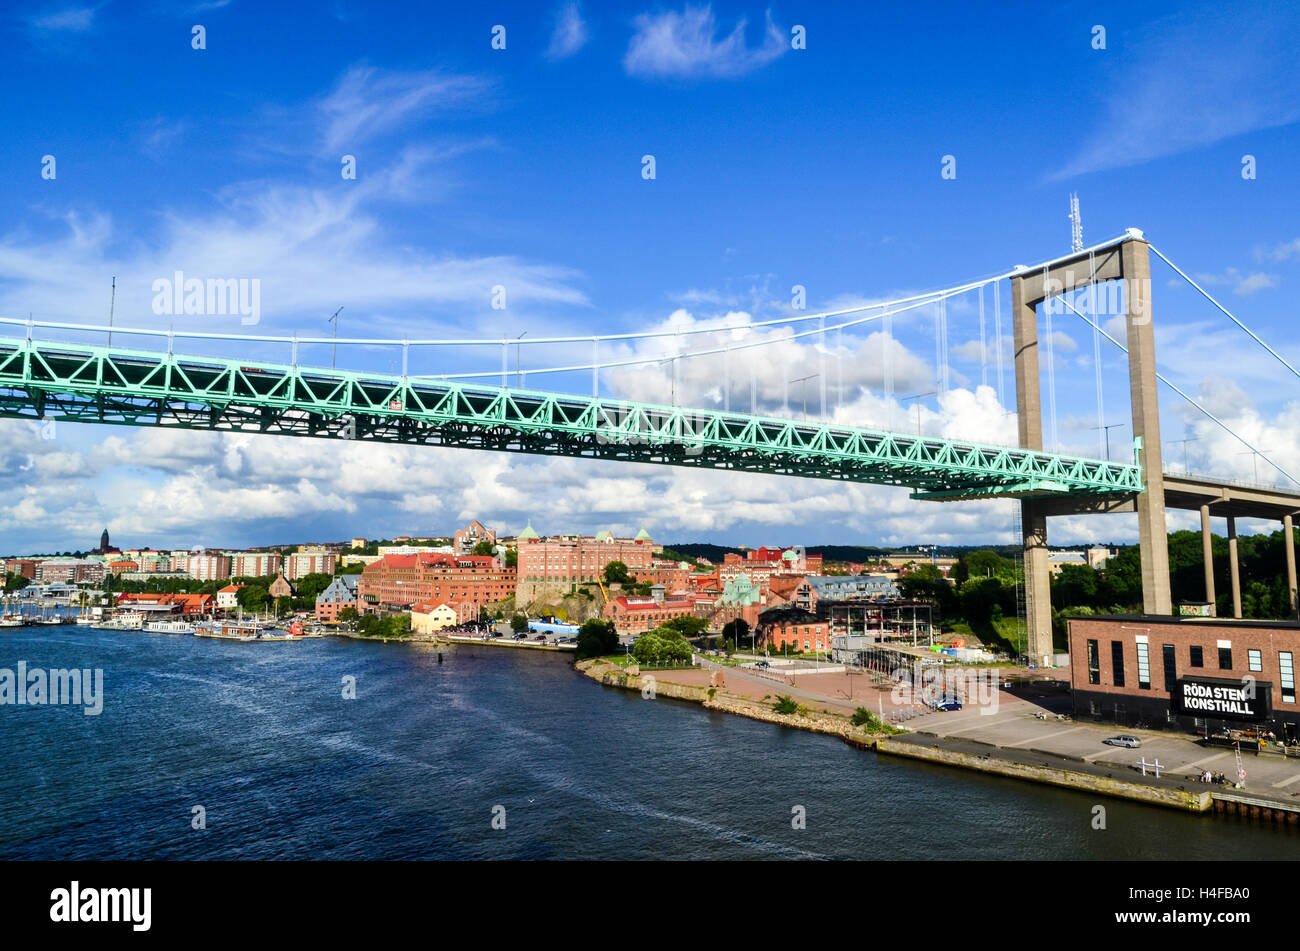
[46, 375]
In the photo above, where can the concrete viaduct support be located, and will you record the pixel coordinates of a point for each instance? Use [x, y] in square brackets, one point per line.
[1130, 262]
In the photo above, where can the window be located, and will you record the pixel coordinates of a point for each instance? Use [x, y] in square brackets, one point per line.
[1198, 657]
[1117, 662]
[1144, 665]
[1094, 663]
[1225, 658]
[1285, 661]
[1255, 659]
[1170, 665]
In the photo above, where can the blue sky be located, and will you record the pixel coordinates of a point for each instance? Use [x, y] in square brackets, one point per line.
[522, 168]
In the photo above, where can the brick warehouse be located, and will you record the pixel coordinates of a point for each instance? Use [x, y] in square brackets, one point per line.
[1198, 674]
[395, 582]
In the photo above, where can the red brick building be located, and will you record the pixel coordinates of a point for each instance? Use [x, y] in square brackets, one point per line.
[638, 615]
[1192, 673]
[254, 564]
[795, 628]
[395, 582]
[467, 538]
[188, 604]
[556, 563]
[671, 574]
[341, 593]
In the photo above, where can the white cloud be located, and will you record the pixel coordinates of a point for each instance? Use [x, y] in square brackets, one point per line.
[72, 19]
[684, 45]
[1281, 252]
[367, 102]
[1243, 284]
[570, 33]
[1192, 80]
[312, 250]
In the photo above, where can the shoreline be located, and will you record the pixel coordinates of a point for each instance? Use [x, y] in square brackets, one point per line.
[1024, 765]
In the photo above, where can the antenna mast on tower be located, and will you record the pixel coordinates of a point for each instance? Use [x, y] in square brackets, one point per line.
[1076, 224]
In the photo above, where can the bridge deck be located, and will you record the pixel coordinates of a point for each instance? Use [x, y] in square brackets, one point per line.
[88, 384]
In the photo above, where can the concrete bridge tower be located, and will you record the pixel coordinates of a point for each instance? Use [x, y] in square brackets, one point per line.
[1129, 261]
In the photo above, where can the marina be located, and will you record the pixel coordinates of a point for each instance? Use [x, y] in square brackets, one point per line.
[140, 619]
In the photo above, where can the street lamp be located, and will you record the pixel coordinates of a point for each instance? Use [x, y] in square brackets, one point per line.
[1254, 462]
[517, 346]
[1107, 428]
[334, 319]
[918, 396]
[804, 380]
[1186, 470]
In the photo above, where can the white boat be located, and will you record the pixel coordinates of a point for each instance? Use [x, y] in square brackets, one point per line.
[169, 627]
[230, 630]
[11, 620]
[128, 621]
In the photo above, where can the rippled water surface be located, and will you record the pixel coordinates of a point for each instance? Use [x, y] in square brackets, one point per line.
[260, 736]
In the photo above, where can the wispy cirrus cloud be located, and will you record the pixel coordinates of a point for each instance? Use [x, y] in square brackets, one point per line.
[1198, 79]
[1243, 284]
[70, 19]
[1282, 252]
[570, 33]
[367, 101]
[685, 45]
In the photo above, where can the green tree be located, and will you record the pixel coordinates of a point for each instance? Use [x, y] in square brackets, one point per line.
[597, 638]
[1076, 586]
[616, 573]
[519, 623]
[735, 631]
[483, 548]
[662, 645]
[253, 598]
[688, 625]
[1121, 580]
[927, 583]
[313, 584]
[981, 597]
[512, 557]
[348, 615]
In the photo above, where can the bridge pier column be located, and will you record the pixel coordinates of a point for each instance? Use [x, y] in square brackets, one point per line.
[1038, 585]
[1232, 566]
[1153, 535]
[1288, 545]
[1207, 553]
[1033, 522]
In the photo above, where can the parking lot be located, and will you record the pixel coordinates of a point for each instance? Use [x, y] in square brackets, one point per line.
[1015, 724]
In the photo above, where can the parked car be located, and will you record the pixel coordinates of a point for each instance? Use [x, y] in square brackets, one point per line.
[763, 664]
[1132, 742]
[519, 637]
[947, 706]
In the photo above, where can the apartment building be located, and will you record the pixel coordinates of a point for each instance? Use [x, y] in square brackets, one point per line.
[395, 582]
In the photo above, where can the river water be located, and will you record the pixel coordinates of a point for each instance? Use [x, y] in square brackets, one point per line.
[420, 763]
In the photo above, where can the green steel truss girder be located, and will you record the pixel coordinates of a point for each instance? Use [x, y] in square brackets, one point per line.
[82, 383]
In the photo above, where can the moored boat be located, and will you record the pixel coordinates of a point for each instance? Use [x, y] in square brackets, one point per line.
[170, 627]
